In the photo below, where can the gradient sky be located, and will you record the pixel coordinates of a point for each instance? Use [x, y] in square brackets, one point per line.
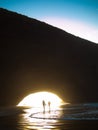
[79, 17]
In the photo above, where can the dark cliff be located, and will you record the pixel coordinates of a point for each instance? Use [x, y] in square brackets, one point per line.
[36, 56]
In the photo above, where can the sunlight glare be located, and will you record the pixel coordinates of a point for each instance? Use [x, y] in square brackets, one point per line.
[35, 99]
[36, 115]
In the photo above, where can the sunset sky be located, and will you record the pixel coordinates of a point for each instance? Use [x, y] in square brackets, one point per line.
[79, 17]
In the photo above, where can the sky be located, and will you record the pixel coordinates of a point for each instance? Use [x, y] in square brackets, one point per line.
[78, 17]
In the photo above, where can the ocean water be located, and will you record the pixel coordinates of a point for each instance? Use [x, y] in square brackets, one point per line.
[66, 117]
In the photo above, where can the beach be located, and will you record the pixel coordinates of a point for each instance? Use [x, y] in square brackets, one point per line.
[72, 117]
[11, 123]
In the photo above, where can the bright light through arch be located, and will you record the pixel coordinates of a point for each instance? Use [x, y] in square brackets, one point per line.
[35, 100]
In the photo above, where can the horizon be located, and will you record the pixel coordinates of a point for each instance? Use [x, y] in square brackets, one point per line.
[73, 16]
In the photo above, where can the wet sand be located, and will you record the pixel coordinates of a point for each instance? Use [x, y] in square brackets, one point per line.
[12, 123]
[79, 125]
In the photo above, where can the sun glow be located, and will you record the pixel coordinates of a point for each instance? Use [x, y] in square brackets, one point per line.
[36, 99]
[39, 115]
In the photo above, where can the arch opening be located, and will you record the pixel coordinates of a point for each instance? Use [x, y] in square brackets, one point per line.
[36, 99]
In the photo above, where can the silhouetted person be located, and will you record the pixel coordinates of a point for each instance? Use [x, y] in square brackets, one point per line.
[43, 103]
[49, 103]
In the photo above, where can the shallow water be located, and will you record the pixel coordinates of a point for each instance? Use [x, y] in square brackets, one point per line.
[69, 117]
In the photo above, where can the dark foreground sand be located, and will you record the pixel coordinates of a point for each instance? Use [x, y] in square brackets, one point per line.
[13, 123]
[79, 125]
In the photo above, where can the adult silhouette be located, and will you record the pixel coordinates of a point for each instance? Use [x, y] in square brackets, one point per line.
[49, 103]
[44, 104]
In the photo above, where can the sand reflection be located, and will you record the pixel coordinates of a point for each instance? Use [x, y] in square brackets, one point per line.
[34, 118]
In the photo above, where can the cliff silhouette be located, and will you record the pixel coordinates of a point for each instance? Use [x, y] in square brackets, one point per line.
[36, 56]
